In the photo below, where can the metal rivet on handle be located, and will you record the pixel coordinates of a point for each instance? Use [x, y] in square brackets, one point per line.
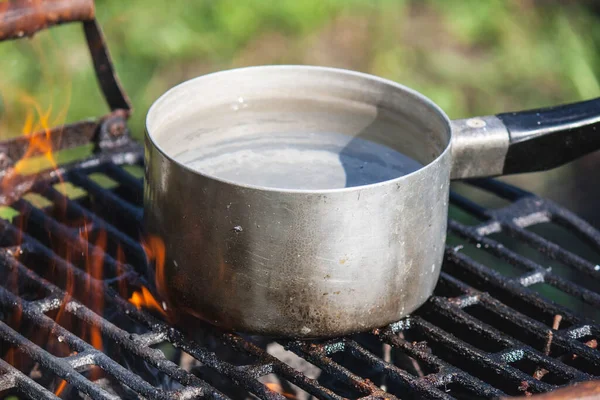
[476, 123]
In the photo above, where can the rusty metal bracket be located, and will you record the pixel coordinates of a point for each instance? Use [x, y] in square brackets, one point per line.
[24, 18]
[111, 87]
[108, 132]
[110, 135]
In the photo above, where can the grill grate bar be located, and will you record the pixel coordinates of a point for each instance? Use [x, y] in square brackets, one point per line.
[468, 206]
[33, 314]
[418, 385]
[129, 342]
[69, 236]
[309, 385]
[525, 322]
[478, 358]
[553, 251]
[133, 247]
[59, 367]
[391, 336]
[500, 283]
[11, 377]
[500, 251]
[208, 358]
[317, 354]
[512, 344]
[502, 190]
[445, 335]
[106, 198]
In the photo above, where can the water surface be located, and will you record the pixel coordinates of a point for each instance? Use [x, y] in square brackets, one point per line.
[291, 146]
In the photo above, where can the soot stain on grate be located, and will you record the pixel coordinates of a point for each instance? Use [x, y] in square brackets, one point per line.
[506, 326]
[563, 298]
[561, 235]
[546, 261]
[477, 252]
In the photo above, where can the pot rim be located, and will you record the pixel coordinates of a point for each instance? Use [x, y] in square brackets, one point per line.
[397, 86]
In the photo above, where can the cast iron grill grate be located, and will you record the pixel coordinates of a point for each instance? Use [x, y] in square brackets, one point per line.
[487, 332]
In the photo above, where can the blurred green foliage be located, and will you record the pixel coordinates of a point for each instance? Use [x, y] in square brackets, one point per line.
[472, 57]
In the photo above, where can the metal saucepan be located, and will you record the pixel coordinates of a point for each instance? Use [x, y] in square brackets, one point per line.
[309, 202]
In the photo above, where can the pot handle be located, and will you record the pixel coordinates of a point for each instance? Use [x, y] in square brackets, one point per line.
[524, 141]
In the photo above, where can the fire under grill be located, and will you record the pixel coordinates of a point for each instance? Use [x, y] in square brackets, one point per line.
[487, 331]
[78, 318]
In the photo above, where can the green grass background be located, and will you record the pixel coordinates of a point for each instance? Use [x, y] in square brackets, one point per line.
[471, 57]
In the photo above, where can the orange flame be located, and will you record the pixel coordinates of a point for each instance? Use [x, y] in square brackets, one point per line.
[122, 285]
[37, 129]
[61, 387]
[94, 266]
[154, 247]
[279, 389]
[90, 252]
[9, 357]
[38, 144]
[143, 298]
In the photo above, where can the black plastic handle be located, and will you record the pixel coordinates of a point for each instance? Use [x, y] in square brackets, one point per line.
[548, 137]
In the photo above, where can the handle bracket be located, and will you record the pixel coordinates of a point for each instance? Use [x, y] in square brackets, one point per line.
[525, 141]
[479, 147]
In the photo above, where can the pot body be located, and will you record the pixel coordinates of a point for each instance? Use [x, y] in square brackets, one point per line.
[301, 263]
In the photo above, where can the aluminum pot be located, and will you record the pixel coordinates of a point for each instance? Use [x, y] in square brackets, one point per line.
[321, 249]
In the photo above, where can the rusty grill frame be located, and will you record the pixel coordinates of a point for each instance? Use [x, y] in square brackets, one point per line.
[24, 18]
